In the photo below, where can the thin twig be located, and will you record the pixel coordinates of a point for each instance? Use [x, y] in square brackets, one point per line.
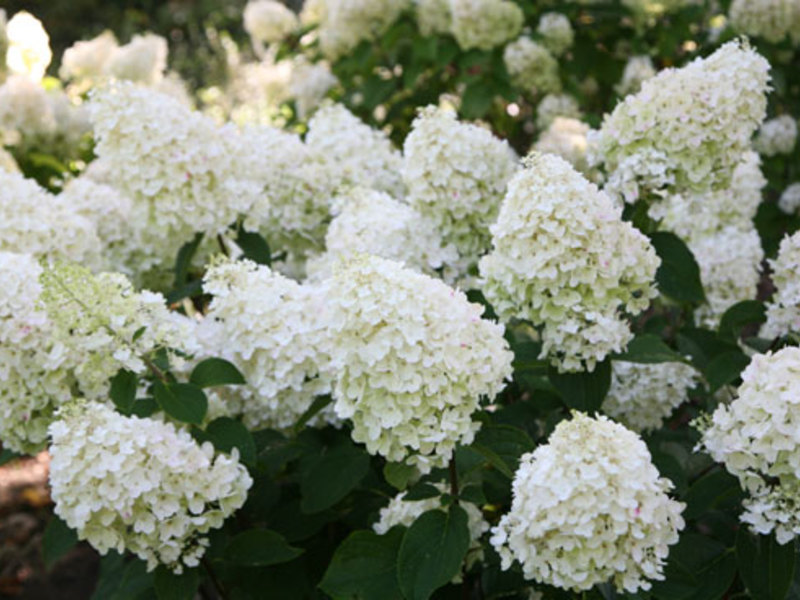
[217, 584]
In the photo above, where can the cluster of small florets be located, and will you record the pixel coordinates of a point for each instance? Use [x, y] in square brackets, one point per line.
[484, 24]
[354, 151]
[772, 20]
[433, 16]
[141, 485]
[699, 119]
[643, 395]
[456, 175]
[553, 106]
[102, 318]
[176, 161]
[589, 507]
[27, 46]
[142, 60]
[638, 69]
[88, 60]
[35, 222]
[372, 222]
[346, 23]
[567, 139]
[564, 260]
[309, 83]
[270, 328]
[412, 359]
[776, 136]
[783, 311]
[556, 32]
[789, 201]
[756, 439]
[532, 67]
[268, 21]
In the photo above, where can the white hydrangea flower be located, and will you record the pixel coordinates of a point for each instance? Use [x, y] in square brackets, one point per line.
[563, 259]
[372, 222]
[35, 371]
[776, 136]
[313, 12]
[404, 512]
[755, 437]
[772, 20]
[589, 507]
[140, 485]
[34, 221]
[88, 60]
[112, 326]
[456, 175]
[357, 153]
[647, 11]
[25, 112]
[790, 199]
[188, 173]
[142, 60]
[309, 83]
[346, 23]
[271, 328]
[484, 24]
[7, 162]
[433, 16]
[638, 69]
[532, 67]
[268, 21]
[699, 119]
[730, 269]
[642, 396]
[556, 105]
[556, 31]
[566, 138]
[3, 43]
[783, 311]
[28, 52]
[412, 359]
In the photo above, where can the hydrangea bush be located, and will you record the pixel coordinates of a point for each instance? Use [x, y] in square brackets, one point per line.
[410, 300]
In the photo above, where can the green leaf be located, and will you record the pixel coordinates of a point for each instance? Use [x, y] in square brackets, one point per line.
[678, 276]
[725, 368]
[766, 567]
[123, 390]
[702, 345]
[226, 434]
[57, 541]
[316, 407]
[432, 551]
[477, 99]
[182, 401]
[332, 476]
[584, 391]
[715, 490]
[398, 474]
[189, 290]
[422, 491]
[6, 456]
[254, 246]
[123, 580]
[502, 446]
[184, 260]
[364, 566]
[216, 371]
[170, 586]
[739, 316]
[649, 348]
[698, 568]
[260, 548]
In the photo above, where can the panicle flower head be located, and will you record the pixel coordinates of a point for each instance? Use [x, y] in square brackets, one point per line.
[553, 106]
[556, 31]
[433, 16]
[588, 507]
[346, 23]
[484, 24]
[783, 311]
[638, 69]
[776, 136]
[790, 199]
[268, 21]
[772, 20]
[141, 485]
[566, 138]
[563, 259]
[28, 53]
[532, 67]
[412, 359]
[88, 60]
[142, 60]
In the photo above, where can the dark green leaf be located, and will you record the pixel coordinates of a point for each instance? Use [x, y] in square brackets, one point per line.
[432, 551]
[184, 260]
[123, 580]
[725, 369]
[254, 246]
[698, 568]
[123, 390]
[678, 276]
[57, 541]
[365, 567]
[332, 476]
[477, 99]
[526, 360]
[182, 401]
[189, 290]
[398, 474]
[170, 586]
[715, 490]
[316, 407]
[702, 346]
[6, 456]
[260, 548]
[649, 348]
[422, 491]
[584, 391]
[144, 407]
[740, 315]
[216, 371]
[502, 446]
[226, 434]
[765, 566]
